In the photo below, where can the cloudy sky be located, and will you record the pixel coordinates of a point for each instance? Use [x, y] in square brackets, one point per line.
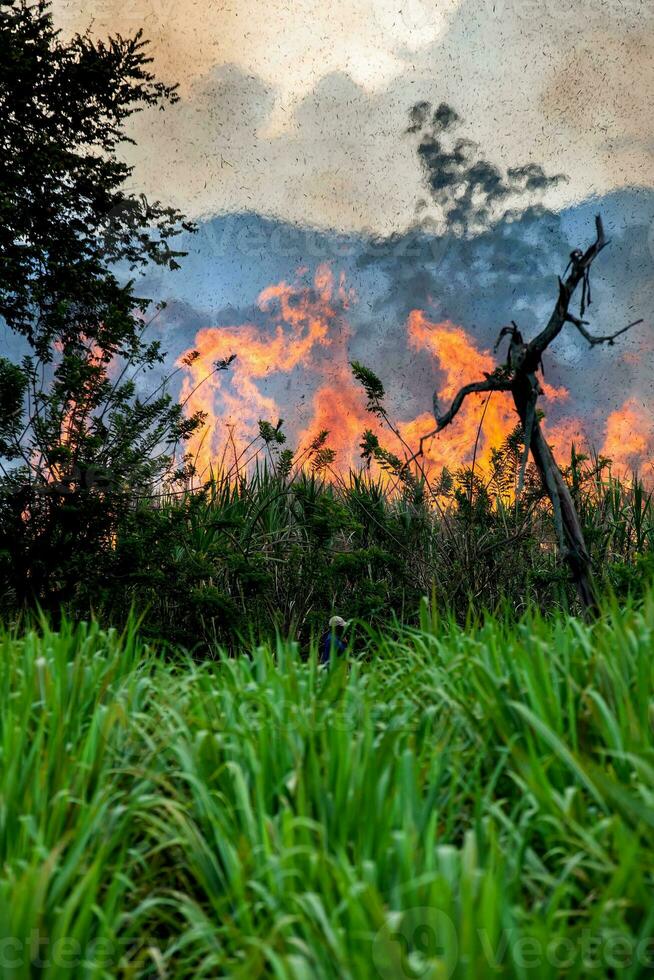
[297, 109]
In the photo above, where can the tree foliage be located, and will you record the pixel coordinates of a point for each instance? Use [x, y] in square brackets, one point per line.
[78, 438]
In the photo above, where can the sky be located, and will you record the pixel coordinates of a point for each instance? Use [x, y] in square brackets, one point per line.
[289, 146]
[297, 109]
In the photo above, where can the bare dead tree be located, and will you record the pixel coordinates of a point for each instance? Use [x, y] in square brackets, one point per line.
[518, 376]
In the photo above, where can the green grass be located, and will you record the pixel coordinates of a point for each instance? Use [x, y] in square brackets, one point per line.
[458, 803]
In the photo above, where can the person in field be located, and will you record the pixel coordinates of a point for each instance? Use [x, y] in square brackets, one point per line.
[332, 639]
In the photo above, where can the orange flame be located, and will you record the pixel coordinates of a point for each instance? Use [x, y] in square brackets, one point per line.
[459, 362]
[74, 418]
[301, 322]
[305, 334]
[339, 406]
[629, 437]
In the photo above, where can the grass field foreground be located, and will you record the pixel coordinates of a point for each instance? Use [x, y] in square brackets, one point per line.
[460, 803]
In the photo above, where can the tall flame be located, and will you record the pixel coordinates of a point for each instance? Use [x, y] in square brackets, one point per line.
[304, 335]
[629, 437]
[459, 362]
[300, 323]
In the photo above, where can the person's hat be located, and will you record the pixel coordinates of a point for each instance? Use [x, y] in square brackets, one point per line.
[338, 621]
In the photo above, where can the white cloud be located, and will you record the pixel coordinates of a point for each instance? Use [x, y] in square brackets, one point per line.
[288, 45]
[298, 109]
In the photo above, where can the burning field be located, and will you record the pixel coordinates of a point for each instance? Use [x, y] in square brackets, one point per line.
[294, 364]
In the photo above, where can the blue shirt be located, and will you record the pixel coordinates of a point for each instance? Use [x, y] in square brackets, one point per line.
[328, 642]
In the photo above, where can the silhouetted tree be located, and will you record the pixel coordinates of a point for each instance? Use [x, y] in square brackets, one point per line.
[75, 438]
[518, 375]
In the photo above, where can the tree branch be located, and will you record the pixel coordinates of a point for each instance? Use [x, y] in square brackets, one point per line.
[491, 384]
[591, 338]
[580, 263]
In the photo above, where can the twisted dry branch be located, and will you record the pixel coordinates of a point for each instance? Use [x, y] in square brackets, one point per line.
[518, 376]
[592, 339]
